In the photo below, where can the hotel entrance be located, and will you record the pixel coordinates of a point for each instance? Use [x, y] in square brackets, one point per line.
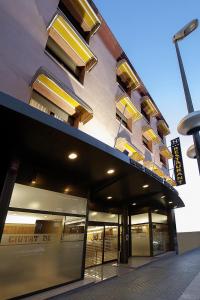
[102, 239]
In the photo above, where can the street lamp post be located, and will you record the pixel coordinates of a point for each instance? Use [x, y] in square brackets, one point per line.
[186, 30]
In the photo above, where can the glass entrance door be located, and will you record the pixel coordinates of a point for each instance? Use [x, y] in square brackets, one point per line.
[94, 246]
[102, 245]
[110, 243]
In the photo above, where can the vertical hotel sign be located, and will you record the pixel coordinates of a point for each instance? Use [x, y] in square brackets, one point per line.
[178, 161]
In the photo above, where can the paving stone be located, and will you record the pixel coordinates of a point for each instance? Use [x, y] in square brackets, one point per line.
[166, 279]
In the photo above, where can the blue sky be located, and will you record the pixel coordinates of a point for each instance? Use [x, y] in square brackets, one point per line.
[144, 29]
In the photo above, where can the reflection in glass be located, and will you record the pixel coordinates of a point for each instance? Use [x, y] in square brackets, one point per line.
[94, 246]
[160, 238]
[140, 240]
[38, 251]
[111, 243]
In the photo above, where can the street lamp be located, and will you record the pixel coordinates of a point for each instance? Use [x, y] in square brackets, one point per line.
[187, 126]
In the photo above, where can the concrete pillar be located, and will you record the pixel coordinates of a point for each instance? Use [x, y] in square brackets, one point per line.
[7, 184]
[172, 231]
[125, 238]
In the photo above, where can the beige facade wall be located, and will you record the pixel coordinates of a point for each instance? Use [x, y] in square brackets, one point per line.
[23, 40]
[188, 241]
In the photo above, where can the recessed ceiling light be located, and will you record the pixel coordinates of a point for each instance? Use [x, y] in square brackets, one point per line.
[145, 186]
[72, 155]
[110, 171]
[109, 197]
[134, 203]
[33, 181]
[162, 197]
[170, 202]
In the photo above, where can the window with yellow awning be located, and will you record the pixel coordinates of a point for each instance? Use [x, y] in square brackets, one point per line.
[150, 134]
[149, 107]
[123, 145]
[126, 107]
[83, 13]
[154, 168]
[59, 95]
[164, 150]
[163, 127]
[64, 35]
[127, 75]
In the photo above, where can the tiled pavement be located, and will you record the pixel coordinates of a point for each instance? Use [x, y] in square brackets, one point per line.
[166, 279]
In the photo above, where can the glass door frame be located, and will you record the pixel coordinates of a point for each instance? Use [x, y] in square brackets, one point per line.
[104, 224]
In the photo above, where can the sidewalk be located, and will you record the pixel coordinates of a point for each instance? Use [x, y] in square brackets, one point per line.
[172, 278]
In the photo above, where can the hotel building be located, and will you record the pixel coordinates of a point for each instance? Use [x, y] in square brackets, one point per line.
[84, 166]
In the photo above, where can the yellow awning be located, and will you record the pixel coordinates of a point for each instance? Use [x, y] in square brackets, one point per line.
[150, 134]
[170, 180]
[127, 75]
[68, 39]
[84, 14]
[62, 98]
[122, 144]
[153, 167]
[149, 107]
[164, 150]
[130, 111]
[162, 126]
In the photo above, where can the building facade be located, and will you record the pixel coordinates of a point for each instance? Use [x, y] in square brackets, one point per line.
[85, 177]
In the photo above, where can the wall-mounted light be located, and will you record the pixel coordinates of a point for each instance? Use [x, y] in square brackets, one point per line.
[109, 197]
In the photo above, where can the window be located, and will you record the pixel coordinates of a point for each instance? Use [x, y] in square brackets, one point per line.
[43, 104]
[147, 117]
[52, 97]
[163, 160]
[82, 14]
[160, 134]
[64, 60]
[123, 86]
[68, 48]
[147, 144]
[65, 10]
[125, 122]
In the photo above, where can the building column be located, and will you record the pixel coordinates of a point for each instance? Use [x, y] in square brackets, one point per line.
[150, 233]
[6, 188]
[85, 239]
[172, 231]
[125, 238]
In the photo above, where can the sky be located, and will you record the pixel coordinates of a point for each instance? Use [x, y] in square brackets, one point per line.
[144, 30]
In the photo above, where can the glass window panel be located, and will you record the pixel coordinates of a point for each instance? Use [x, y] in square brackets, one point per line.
[160, 238]
[140, 218]
[158, 218]
[38, 199]
[111, 243]
[103, 217]
[38, 251]
[140, 240]
[94, 247]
